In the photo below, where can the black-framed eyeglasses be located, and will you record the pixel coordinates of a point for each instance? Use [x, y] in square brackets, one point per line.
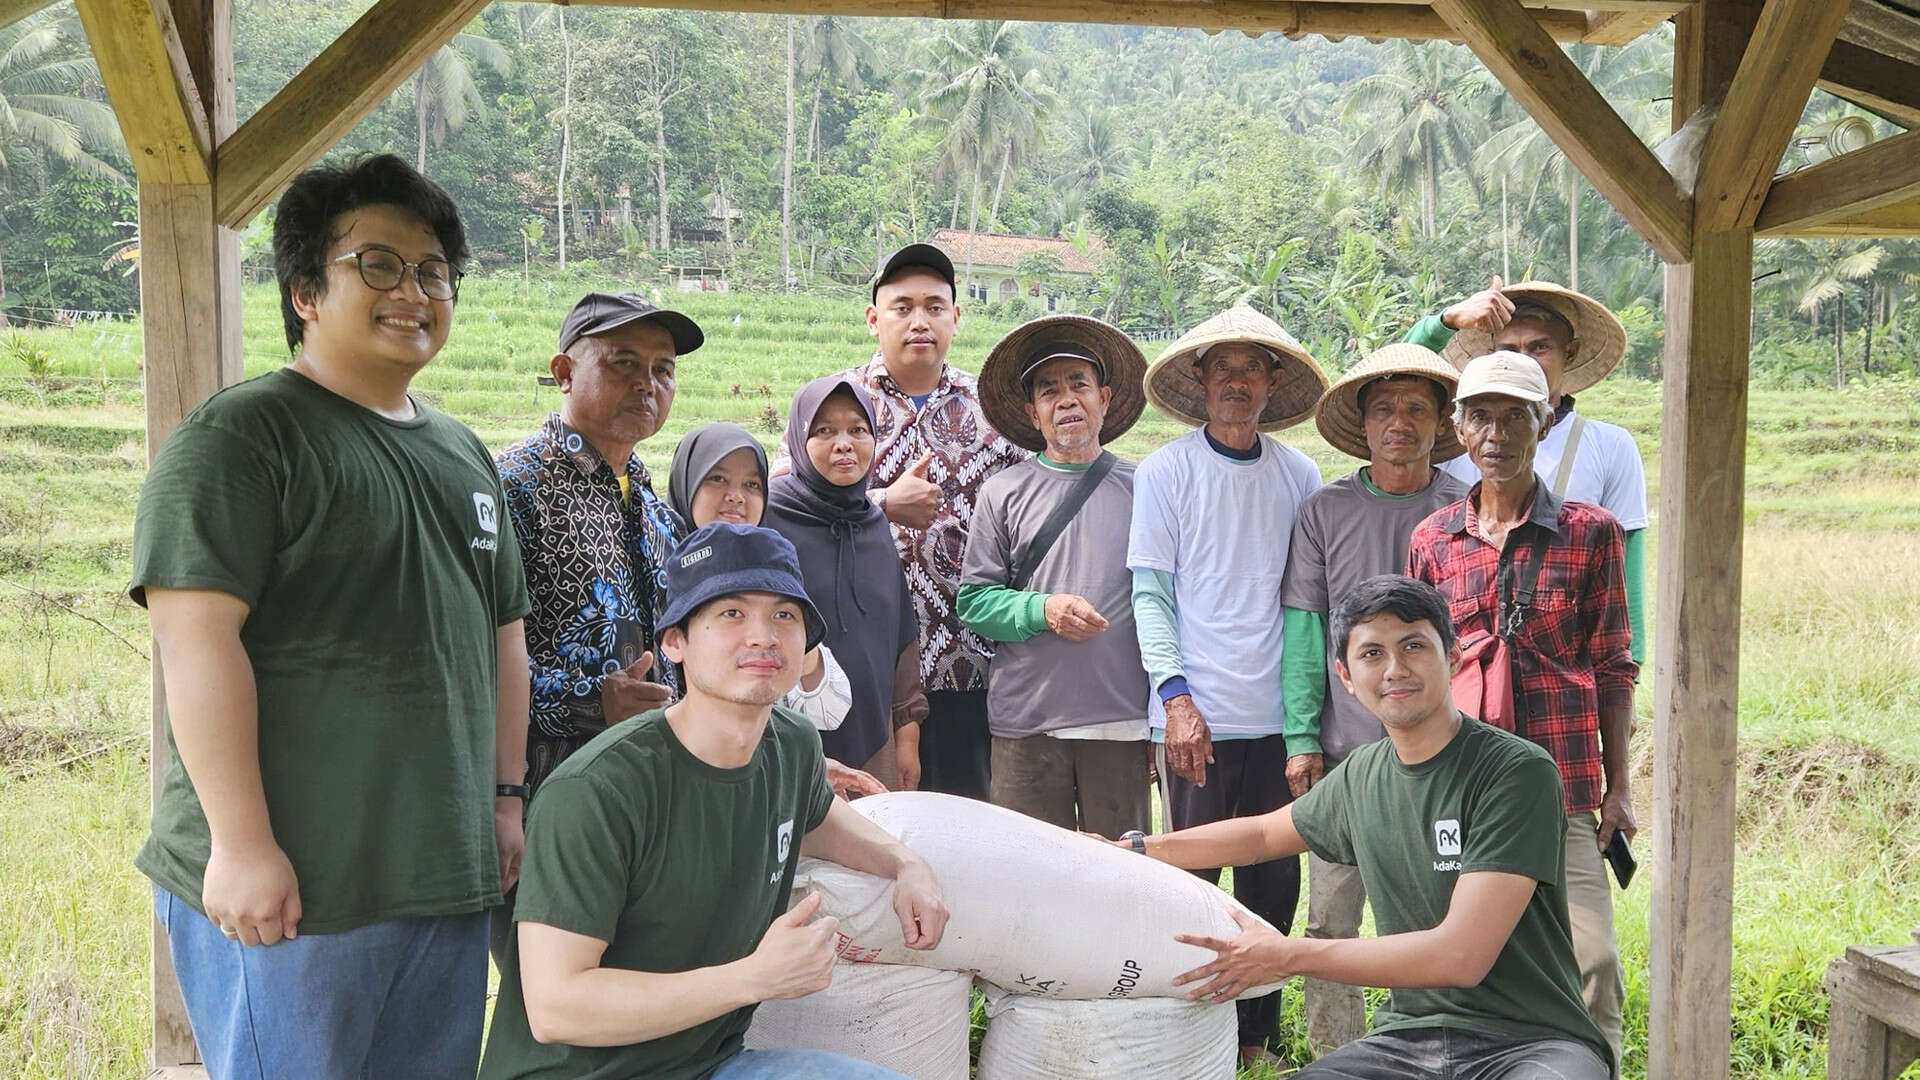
[382, 270]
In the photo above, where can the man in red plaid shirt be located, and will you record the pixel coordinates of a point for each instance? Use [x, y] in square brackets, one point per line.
[1573, 676]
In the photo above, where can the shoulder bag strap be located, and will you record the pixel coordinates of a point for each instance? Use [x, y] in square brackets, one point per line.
[1565, 472]
[1056, 523]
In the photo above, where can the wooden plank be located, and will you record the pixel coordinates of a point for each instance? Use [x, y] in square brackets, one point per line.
[12, 11]
[1627, 25]
[190, 328]
[335, 92]
[1871, 1022]
[1567, 107]
[1873, 81]
[145, 72]
[179, 1072]
[1884, 174]
[1764, 102]
[1413, 22]
[1894, 963]
[1696, 670]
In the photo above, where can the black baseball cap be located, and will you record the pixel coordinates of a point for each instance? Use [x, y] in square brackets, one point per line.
[722, 559]
[599, 312]
[924, 256]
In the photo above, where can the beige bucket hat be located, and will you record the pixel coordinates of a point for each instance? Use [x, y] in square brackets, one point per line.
[1175, 390]
[1003, 390]
[1338, 415]
[1603, 340]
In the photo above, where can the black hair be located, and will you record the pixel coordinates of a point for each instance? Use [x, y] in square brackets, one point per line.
[1442, 397]
[1528, 308]
[1404, 598]
[305, 220]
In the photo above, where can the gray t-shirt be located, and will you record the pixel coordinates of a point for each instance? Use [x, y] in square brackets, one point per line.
[1347, 532]
[1046, 683]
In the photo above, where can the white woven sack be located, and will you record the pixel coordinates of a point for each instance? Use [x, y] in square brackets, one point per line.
[911, 1020]
[1031, 1038]
[1036, 909]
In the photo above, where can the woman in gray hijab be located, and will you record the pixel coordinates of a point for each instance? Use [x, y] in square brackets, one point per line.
[720, 474]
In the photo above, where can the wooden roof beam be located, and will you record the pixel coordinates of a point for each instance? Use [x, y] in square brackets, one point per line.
[1626, 25]
[324, 102]
[1873, 81]
[151, 88]
[1414, 22]
[12, 11]
[1566, 106]
[1875, 185]
[1764, 102]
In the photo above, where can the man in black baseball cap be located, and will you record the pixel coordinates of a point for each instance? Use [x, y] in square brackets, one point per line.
[653, 909]
[916, 256]
[593, 531]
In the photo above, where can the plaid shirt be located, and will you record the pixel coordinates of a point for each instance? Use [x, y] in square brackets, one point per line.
[1570, 655]
[966, 451]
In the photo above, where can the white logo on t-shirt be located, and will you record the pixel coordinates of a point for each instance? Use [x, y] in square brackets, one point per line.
[1446, 837]
[783, 840]
[483, 509]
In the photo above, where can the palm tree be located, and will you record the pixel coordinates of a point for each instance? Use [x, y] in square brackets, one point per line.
[1302, 98]
[834, 49]
[1098, 155]
[445, 96]
[1630, 77]
[1420, 119]
[1817, 274]
[986, 84]
[44, 69]
[1262, 280]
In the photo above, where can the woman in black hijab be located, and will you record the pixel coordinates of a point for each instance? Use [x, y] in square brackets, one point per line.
[853, 575]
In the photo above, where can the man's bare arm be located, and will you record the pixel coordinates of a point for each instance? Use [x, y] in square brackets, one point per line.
[571, 999]
[213, 711]
[1234, 842]
[514, 701]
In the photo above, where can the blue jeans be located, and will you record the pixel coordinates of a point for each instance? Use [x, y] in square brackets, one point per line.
[800, 1065]
[404, 997]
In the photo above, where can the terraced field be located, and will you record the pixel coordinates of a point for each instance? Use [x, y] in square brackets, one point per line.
[1830, 648]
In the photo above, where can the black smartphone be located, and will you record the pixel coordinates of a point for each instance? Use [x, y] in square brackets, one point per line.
[1621, 858]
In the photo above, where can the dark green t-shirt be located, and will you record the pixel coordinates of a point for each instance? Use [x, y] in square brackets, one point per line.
[674, 863]
[376, 563]
[1489, 801]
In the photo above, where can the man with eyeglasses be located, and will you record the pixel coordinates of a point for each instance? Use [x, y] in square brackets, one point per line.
[338, 606]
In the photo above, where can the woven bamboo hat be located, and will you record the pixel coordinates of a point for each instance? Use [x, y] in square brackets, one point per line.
[1603, 341]
[1338, 415]
[1173, 387]
[1003, 378]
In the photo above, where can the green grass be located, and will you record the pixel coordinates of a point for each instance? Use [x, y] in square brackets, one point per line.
[1829, 700]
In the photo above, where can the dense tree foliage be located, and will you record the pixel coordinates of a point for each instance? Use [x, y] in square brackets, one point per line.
[1346, 187]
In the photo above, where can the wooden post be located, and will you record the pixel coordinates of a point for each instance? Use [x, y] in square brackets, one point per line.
[190, 321]
[1703, 435]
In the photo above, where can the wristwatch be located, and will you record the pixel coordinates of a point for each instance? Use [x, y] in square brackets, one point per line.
[518, 791]
[1136, 838]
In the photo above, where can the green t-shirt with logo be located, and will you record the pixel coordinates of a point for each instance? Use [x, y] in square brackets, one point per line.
[376, 564]
[674, 863]
[1489, 801]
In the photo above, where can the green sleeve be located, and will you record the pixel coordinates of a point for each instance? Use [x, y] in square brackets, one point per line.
[1000, 613]
[1303, 677]
[1153, 612]
[1430, 332]
[1636, 560]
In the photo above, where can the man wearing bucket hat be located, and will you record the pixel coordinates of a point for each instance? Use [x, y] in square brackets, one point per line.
[1390, 411]
[1046, 577]
[1213, 515]
[1547, 577]
[934, 449]
[1577, 342]
[653, 901]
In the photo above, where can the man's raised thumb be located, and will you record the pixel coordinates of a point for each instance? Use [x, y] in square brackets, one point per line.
[644, 664]
[919, 468]
[1497, 284]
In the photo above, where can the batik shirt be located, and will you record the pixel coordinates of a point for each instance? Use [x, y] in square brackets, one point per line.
[594, 563]
[966, 451]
